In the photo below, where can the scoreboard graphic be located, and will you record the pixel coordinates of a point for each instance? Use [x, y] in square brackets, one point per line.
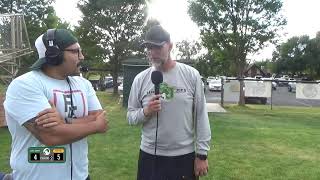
[46, 155]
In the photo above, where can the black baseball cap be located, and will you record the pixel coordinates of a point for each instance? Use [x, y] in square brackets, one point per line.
[157, 36]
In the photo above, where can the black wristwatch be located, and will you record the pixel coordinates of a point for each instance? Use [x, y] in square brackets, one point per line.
[202, 156]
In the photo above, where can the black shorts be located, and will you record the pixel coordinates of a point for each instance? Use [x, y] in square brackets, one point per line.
[152, 167]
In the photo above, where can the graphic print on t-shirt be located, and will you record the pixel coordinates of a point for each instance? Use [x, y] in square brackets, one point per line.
[72, 104]
[166, 91]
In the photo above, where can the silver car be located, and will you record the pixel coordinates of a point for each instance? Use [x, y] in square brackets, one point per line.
[215, 85]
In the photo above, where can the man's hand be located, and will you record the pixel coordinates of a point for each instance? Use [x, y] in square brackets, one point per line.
[49, 117]
[201, 167]
[101, 122]
[154, 105]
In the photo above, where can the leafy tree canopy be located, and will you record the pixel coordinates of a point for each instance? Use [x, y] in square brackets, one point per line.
[110, 30]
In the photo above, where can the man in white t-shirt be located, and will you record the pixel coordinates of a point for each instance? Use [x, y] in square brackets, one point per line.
[49, 107]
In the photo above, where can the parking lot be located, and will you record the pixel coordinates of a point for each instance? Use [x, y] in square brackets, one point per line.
[280, 97]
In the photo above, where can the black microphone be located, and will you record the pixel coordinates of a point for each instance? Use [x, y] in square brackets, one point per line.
[156, 78]
[83, 67]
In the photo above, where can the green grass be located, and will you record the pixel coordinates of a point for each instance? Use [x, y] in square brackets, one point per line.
[251, 142]
[254, 142]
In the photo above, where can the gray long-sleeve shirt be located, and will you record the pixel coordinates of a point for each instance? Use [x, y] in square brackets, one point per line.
[183, 118]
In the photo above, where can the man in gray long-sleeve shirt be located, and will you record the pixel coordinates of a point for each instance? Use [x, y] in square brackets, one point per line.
[184, 134]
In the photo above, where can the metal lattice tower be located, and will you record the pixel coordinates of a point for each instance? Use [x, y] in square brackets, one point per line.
[14, 43]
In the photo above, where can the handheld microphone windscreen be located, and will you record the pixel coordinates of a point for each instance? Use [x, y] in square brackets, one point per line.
[156, 77]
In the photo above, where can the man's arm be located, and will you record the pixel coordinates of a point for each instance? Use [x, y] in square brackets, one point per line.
[91, 117]
[136, 113]
[66, 133]
[47, 122]
[50, 117]
[134, 116]
[202, 127]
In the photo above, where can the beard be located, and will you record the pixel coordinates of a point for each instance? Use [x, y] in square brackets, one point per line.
[77, 70]
[157, 63]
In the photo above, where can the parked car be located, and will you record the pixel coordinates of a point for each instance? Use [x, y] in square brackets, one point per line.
[95, 85]
[95, 81]
[120, 87]
[286, 77]
[258, 77]
[273, 83]
[210, 78]
[108, 82]
[292, 87]
[204, 83]
[215, 85]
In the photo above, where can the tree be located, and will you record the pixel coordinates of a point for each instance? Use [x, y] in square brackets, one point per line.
[266, 65]
[237, 27]
[313, 57]
[291, 57]
[209, 65]
[113, 27]
[188, 49]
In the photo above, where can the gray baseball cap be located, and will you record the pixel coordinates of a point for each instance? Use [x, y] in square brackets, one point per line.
[157, 36]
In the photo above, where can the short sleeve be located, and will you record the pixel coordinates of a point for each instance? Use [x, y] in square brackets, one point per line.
[24, 100]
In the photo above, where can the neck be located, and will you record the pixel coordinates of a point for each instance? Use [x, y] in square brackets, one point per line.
[53, 73]
[168, 65]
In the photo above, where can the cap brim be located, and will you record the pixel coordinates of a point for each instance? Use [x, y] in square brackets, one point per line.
[145, 43]
[38, 64]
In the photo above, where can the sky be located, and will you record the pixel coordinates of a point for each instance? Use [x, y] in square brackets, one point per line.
[302, 18]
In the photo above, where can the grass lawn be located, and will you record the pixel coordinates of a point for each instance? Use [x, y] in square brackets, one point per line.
[250, 142]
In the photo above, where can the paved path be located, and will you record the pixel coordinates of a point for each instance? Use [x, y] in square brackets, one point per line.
[215, 107]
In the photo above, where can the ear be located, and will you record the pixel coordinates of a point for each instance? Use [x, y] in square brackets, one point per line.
[170, 46]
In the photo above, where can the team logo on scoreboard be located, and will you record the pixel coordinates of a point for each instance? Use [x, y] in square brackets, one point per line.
[46, 155]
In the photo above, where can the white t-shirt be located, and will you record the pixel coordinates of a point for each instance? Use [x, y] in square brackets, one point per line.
[26, 96]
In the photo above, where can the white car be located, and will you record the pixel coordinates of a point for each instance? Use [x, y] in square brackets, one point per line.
[210, 78]
[274, 84]
[215, 85]
[292, 86]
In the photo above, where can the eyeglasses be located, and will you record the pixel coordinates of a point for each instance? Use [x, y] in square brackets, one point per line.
[74, 51]
[79, 50]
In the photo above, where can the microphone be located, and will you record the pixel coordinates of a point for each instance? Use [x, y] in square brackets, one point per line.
[156, 78]
[84, 68]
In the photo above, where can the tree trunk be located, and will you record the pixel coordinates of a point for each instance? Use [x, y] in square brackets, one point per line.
[242, 90]
[115, 74]
[242, 94]
[115, 82]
